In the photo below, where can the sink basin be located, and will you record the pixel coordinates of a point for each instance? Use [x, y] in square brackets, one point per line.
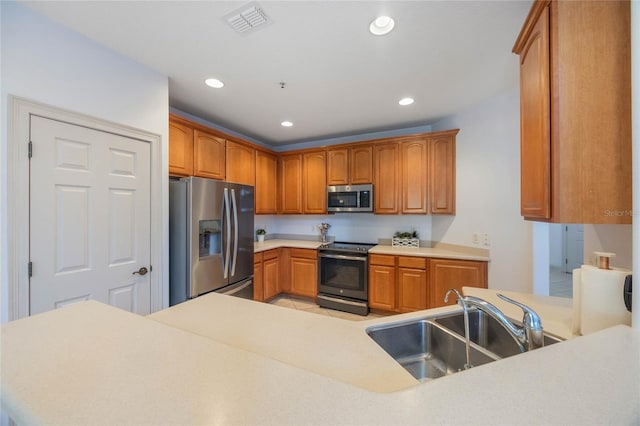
[425, 349]
[487, 332]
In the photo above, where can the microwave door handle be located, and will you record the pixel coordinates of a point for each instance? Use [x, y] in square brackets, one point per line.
[226, 222]
[234, 205]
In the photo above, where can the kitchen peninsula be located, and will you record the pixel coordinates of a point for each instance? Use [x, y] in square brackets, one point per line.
[91, 363]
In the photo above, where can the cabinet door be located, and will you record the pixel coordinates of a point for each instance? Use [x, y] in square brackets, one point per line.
[448, 273]
[258, 281]
[314, 184]
[209, 155]
[386, 178]
[412, 289]
[338, 166]
[535, 122]
[180, 149]
[304, 275]
[442, 175]
[271, 274]
[266, 183]
[240, 164]
[414, 176]
[382, 287]
[361, 165]
[291, 184]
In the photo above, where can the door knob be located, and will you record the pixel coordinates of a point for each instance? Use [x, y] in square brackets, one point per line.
[141, 271]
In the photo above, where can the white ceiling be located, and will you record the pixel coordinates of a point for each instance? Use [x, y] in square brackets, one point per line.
[340, 79]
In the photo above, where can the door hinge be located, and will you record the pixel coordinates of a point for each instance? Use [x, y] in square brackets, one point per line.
[30, 268]
[30, 149]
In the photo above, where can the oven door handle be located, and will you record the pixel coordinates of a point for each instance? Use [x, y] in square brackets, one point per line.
[343, 257]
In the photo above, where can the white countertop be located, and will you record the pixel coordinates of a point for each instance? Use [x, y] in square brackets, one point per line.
[90, 363]
[444, 251]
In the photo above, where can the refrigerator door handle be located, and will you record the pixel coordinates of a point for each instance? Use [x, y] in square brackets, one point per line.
[235, 232]
[225, 231]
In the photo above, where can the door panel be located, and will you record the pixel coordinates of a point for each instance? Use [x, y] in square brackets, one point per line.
[89, 217]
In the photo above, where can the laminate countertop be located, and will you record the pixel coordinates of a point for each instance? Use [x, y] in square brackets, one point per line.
[440, 250]
[91, 363]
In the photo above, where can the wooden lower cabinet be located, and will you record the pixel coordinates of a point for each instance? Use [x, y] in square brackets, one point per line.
[258, 277]
[270, 274]
[450, 273]
[303, 267]
[382, 282]
[413, 283]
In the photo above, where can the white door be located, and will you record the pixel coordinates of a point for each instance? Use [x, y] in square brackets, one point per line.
[573, 244]
[89, 217]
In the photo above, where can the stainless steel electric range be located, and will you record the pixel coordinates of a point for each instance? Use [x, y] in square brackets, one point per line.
[343, 276]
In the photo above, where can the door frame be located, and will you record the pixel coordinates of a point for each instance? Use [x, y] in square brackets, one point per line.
[20, 110]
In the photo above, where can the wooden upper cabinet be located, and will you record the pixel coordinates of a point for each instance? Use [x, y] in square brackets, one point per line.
[241, 166]
[386, 181]
[535, 121]
[290, 184]
[208, 155]
[442, 174]
[361, 164]
[575, 112]
[350, 166]
[180, 149]
[338, 166]
[314, 183]
[266, 183]
[414, 166]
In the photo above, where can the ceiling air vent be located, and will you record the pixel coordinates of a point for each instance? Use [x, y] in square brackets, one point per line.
[247, 18]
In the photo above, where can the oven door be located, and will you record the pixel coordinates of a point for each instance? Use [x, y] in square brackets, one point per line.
[343, 275]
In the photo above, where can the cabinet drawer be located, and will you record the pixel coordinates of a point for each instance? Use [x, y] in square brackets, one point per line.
[270, 254]
[257, 257]
[304, 253]
[412, 262]
[381, 259]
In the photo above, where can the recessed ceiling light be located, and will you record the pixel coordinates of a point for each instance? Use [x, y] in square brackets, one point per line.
[382, 25]
[286, 124]
[405, 101]
[214, 82]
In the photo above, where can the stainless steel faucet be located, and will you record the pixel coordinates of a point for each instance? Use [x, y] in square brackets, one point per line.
[465, 309]
[529, 337]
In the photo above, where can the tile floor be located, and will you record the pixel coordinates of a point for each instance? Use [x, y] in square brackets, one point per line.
[308, 305]
[560, 284]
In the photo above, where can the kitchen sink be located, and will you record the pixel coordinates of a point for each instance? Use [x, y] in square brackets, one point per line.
[433, 347]
[425, 349]
[487, 332]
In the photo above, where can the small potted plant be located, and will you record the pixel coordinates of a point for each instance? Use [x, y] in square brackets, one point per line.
[261, 233]
[405, 239]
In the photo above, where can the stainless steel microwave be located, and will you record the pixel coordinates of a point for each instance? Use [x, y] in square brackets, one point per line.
[350, 198]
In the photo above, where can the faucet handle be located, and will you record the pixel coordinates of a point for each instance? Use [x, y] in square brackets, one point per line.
[531, 319]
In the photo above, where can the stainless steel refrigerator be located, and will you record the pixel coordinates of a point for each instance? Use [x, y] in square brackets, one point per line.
[210, 238]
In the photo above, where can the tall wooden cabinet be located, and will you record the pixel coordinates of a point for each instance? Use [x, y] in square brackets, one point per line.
[414, 175]
[314, 183]
[291, 184]
[575, 112]
[180, 149]
[386, 178]
[266, 193]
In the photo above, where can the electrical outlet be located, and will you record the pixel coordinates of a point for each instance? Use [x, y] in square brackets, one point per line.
[485, 239]
[475, 239]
